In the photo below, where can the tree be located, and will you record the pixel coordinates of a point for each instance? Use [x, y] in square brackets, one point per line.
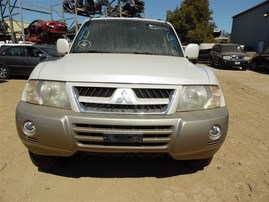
[192, 21]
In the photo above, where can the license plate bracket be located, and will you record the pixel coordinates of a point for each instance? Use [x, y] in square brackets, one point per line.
[123, 138]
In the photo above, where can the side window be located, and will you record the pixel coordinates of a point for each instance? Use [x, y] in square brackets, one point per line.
[33, 52]
[32, 26]
[15, 51]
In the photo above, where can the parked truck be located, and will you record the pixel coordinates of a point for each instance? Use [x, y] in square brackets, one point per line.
[124, 86]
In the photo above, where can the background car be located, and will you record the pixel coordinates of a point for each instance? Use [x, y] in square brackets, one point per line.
[42, 30]
[129, 8]
[85, 8]
[20, 59]
[229, 55]
[260, 60]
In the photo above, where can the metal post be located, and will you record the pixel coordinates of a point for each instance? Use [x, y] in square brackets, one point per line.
[120, 8]
[51, 14]
[63, 17]
[76, 12]
[22, 24]
[11, 23]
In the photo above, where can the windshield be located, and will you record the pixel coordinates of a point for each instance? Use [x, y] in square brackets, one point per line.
[127, 37]
[231, 48]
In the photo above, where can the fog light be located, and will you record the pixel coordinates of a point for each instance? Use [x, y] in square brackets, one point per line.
[29, 128]
[215, 131]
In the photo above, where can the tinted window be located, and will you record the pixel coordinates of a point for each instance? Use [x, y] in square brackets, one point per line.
[50, 51]
[127, 36]
[231, 48]
[33, 52]
[14, 51]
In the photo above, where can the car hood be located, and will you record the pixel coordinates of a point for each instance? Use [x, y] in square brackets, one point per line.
[122, 68]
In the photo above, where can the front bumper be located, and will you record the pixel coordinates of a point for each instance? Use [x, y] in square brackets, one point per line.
[61, 132]
[235, 63]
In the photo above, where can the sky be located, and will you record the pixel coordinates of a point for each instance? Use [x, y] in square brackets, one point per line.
[223, 10]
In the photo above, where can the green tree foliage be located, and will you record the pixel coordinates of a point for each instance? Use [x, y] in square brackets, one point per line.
[193, 21]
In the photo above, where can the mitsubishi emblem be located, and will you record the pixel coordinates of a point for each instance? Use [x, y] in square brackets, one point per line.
[124, 97]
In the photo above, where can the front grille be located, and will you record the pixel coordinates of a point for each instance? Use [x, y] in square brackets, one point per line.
[108, 92]
[96, 135]
[121, 100]
[213, 143]
[95, 92]
[30, 139]
[109, 108]
[153, 93]
[236, 57]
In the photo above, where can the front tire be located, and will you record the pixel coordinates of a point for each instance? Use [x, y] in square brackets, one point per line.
[211, 62]
[46, 162]
[220, 66]
[4, 72]
[254, 66]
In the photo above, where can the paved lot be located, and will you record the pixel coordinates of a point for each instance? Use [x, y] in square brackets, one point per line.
[239, 171]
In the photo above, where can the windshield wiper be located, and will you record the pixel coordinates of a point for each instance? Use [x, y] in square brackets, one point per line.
[144, 53]
[97, 51]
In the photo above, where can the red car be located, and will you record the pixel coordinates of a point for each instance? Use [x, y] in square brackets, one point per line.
[45, 31]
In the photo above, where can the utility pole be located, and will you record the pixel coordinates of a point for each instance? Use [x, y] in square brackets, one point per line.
[76, 12]
[120, 8]
[13, 38]
[22, 24]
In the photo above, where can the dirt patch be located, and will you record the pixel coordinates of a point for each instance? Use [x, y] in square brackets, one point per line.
[238, 172]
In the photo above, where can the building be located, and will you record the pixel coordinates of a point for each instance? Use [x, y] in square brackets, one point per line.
[17, 30]
[251, 27]
[17, 26]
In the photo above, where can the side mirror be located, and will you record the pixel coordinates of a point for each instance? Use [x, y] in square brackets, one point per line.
[62, 46]
[192, 52]
[42, 56]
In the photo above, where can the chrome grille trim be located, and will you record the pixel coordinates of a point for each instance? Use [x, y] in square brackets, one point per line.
[92, 135]
[30, 139]
[108, 108]
[115, 99]
[236, 57]
[213, 143]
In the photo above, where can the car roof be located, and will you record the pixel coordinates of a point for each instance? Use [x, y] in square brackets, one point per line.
[228, 44]
[26, 44]
[127, 19]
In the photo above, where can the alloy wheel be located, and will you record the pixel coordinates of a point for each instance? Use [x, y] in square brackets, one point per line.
[3, 72]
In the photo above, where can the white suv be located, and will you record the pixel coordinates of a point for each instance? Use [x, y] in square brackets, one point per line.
[125, 86]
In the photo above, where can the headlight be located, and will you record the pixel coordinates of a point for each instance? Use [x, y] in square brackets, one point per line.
[226, 57]
[48, 93]
[246, 58]
[199, 98]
